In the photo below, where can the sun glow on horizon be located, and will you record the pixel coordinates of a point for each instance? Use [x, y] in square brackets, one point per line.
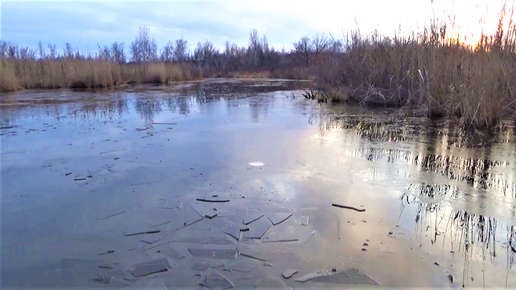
[466, 21]
[477, 21]
[283, 22]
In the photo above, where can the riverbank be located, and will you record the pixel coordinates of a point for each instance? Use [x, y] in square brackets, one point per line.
[429, 73]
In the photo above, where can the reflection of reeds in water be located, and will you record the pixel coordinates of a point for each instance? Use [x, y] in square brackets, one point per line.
[474, 236]
[149, 104]
[371, 127]
[180, 104]
[473, 171]
[398, 127]
[114, 107]
[148, 108]
[434, 190]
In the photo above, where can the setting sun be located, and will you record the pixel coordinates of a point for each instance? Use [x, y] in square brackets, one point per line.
[469, 23]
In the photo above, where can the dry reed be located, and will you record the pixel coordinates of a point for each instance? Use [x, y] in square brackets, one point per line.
[8, 80]
[429, 71]
[86, 73]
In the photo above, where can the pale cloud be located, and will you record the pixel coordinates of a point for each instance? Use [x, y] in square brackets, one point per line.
[84, 24]
[107, 18]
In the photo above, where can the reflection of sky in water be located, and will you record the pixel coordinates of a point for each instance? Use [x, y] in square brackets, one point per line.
[203, 145]
[462, 204]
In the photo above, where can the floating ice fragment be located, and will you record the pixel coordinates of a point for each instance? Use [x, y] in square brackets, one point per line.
[256, 164]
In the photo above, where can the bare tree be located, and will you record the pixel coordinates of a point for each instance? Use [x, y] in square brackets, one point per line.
[254, 46]
[199, 56]
[227, 49]
[227, 56]
[265, 44]
[239, 53]
[233, 56]
[320, 44]
[117, 52]
[211, 54]
[336, 46]
[135, 52]
[204, 55]
[152, 52]
[264, 51]
[304, 47]
[283, 54]
[168, 52]
[144, 48]
[181, 50]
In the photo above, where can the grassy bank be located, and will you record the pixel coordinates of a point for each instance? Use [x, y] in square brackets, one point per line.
[428, 73]
[83, 73]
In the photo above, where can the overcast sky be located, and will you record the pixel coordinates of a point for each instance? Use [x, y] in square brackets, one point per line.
[84, 24]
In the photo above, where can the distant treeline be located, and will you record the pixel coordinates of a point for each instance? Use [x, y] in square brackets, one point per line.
[257, 55]
[143, 62]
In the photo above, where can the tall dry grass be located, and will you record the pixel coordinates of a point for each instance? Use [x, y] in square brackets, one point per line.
[8, 81]
[158, 72]
[49, 73]
[429, 72]
[86, 73]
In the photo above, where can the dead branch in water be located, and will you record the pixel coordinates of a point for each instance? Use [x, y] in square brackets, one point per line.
[348, 207]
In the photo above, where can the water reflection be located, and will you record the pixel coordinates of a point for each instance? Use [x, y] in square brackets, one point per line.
[472, 236]
[434, 191]
[148, 109]
[434, 146]
[148, 102]
[470, 212]
[115, 107]
[180, 105]
[455, 199]
[388, 125]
